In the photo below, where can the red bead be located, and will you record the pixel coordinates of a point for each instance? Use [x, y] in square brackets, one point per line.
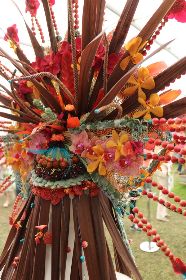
[157, 32]
[14, 264]
[148, 180]
[147, 47]
[179, 210]
[155, 156]
[160, 187]
[178, 121]
[155, 198]
[154, 239]
[161, 242]
[140, 225]
[135, 221]
[144, 229]
[161, 201]
[164, 248]
[154, 37]
[177, 129]
[154, 231]
[149, 226]
[177, 149]
[164, 144]
[174, 159]
[184, 120]
[172, 129]
[154, 184]
[170, 121]
[155, 121]
[177, 199]
[144, 52]
[170, 147]
[135, 210]
[183, 203]
[140, 215]
[144, 221]
[151, 141]
[184, 213]
[167, 252]
[161, 158]
[131, 217]
[150, 195]
[171, 256]
[171, 195]
[149, 233]
[157, 142]
[181, 160]
[144, 192]
[163, 120]
[167, 158]
[157, 237]
[173, 207]
[150, 42]
[149, 156]
[165, 191]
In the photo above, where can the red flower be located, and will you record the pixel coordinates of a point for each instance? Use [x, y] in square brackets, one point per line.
[32, 7]
[52, 2]
[49, 63]
[12, 33]
[178, 11]
[73, 122]
[23, 89]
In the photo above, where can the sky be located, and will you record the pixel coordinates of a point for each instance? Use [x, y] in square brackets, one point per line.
[173, 30]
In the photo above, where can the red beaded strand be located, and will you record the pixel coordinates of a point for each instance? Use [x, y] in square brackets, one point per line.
[75, 7]
[53, 19]
[40, 30]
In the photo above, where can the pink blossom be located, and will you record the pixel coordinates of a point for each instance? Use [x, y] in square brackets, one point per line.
[80, 143]
[178, 11]
[32, 7]
[12, 33]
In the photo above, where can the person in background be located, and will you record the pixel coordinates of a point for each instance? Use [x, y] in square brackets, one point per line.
[164, 178]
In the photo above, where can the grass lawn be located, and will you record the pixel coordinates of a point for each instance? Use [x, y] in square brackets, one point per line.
[153, 266]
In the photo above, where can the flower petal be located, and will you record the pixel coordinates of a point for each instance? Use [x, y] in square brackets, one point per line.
[139, 114]
[137, 58]
[154, 99]
[98, 149]
[157, 111]
[92, 166]
[148, 83]
[147, 116]
[115, 136]
[142, 102]
[102, 170]
[117, 155]
[141, 94]
[124, 63]
[111, 144]
[133, 45]
[124, 138]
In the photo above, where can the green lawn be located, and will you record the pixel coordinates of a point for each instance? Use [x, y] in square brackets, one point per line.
[153, 266]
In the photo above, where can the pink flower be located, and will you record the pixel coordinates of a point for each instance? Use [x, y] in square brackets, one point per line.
[80, 143]
[128, 166]
[38, 141]
[12, 33]
[32, 7]
[178, 11]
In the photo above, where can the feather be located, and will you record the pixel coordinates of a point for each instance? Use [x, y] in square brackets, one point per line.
[175, 109]
[123, 26]
[53, 40]
[87, 58]
[169, 96]
[14, 118]
[93, 13]
[5, 100]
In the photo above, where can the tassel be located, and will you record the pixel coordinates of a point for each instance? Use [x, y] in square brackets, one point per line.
[178, 266]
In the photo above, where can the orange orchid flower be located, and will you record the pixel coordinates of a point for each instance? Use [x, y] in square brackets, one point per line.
[150, 106]
[117, 143]
[97, 160]
[143, 80]
[133, 48]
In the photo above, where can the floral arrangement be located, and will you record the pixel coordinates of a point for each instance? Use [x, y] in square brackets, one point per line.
[88, 115]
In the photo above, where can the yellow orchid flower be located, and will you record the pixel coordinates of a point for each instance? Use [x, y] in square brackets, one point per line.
[132, 47]
[117, 143]
[150, 107]
[143, 79]
[97, 160]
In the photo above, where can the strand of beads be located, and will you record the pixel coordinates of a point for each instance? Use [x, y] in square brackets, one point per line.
[154, 36]
[16, 208]
[51, 3]
[143, 223]
[165, 191]
[75, 7]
